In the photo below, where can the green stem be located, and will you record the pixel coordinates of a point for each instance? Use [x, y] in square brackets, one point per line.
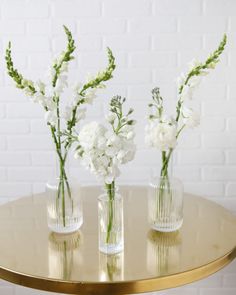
[111, 194]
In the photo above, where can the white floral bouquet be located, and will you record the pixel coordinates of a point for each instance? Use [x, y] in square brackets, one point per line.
[103, 150]
[61, 120]
[162, 132]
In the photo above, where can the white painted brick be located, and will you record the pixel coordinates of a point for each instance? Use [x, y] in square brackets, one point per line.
[76, 8]
[220, 173]
[217, 108]
[192, 24]
[232, 24]
[177, 7]
[24, 110]
[199, 157]
[14, 126]
[231, 124]
[57, 27]
[6, 290]
[11, 94]
[220, 7]
[230, 189]
[127, 8]
[231, 157]
[128, 42]
[33, 43]
[132, 76]
[102, 26]
[90, 42]
[230, 268]
[3, 174]
[40, 61]
[212, 124]
[25, 9]
[180, 291]
[12, 27]
[153, 25]
[38, 142]
[215, 291]
[219, 140]
[149, 60]
[3, 142]
[39, 27]
[187, 173]
[204, 188]
[12, 190]
[177, 41]
[189, 140]
[99, 59]
[39, 126]
[43, 158]
[2, 110]
[228, 203]
[14, 159]
[29, 174]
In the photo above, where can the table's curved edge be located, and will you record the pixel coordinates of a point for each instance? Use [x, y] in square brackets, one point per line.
[127, 287]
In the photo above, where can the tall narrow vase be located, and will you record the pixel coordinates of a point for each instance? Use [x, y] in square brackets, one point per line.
[64, 204]
[110, 222]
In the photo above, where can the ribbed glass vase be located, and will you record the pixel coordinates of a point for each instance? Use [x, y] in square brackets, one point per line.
[165, 206]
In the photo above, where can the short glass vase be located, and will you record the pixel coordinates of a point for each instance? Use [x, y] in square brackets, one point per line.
[110, 223]
[64, 205]
[165, 204]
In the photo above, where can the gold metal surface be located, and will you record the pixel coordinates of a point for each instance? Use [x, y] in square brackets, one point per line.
[32, 256]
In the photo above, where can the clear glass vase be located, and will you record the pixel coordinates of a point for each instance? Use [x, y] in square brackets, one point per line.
[64, 204]
[165, 205]
[110, 222]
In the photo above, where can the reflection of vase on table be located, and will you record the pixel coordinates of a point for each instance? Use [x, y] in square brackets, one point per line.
[111, 267]
[63, 252]
[163, 252]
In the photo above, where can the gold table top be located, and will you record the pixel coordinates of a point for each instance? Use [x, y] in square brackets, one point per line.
[32, 256]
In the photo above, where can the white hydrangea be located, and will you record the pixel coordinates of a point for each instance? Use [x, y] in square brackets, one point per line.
[161, 135]
[103, 151]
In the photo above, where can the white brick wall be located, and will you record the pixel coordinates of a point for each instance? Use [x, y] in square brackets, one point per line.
[152, 40]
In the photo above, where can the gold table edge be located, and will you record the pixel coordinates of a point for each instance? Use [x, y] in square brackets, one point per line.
[127, 287]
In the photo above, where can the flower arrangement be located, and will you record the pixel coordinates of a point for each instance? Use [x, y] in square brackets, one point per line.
[162, 132]
[61, 121]
[102, 150]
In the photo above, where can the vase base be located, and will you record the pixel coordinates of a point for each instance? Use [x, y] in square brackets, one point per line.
[167, 227]
[111, 249]
[65, 230]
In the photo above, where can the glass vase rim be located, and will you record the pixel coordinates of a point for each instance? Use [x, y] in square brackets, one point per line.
[172, 179]
[104, 197]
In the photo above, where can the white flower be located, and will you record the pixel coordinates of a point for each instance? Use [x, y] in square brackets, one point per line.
[110, 117]
[40, 86]
[190, 118]
[90, 96]
[104, 150]
[161, 135]
[51, 117]
[194, 63]
[61, 84]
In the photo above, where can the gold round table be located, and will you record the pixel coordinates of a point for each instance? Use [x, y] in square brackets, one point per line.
[33, 257]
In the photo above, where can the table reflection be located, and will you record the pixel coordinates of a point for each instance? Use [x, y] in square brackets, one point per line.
[111, 267]
[64, 254]
[163, 252]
